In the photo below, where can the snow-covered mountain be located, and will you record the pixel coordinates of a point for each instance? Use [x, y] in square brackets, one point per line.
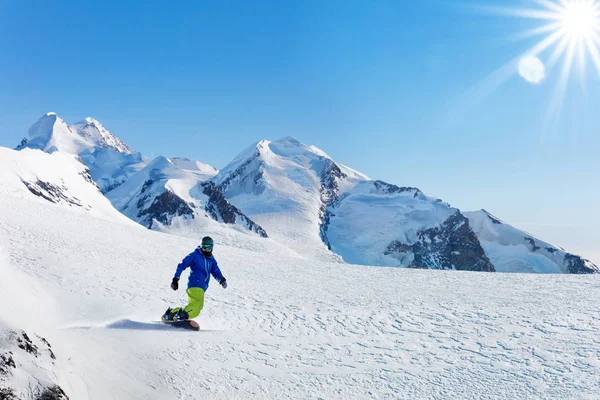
[99, 136]
[109, 159]
[307, 201]
[164, 194]
[286, 186]
[512, 250]
[304, 200]
[382, 224]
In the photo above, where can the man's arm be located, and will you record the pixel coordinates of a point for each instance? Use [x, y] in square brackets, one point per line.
[216, 273]
[187, 261]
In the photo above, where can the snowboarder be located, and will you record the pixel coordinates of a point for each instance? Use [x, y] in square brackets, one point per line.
[203, 264]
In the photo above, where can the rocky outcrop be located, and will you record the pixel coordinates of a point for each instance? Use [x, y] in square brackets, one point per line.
[26, 367]
[87, 176]
[163, 209]
[453, 245]
[576, 265]
[51, 192]
[532, 246]
[387, 188]
[329, 192]
[221, 210]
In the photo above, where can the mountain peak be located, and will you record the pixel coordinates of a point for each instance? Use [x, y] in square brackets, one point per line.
[51, 133]
[91, 120]
[196, 167]
[159, 163]
[92, 130]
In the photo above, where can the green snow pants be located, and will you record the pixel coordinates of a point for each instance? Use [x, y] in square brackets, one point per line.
[195, 302]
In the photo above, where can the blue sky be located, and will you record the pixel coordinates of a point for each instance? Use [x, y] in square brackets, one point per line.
[394, 89]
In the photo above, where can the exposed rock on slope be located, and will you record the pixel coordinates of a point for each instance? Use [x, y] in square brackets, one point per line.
[27, 367]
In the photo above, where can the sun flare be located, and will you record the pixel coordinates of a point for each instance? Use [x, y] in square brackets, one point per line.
[579, 19]
[569, 35]
[570, 28]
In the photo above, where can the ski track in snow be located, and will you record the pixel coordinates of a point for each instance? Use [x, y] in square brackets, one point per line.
[287, 327]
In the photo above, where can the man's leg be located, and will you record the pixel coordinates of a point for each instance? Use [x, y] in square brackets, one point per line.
[196, 302]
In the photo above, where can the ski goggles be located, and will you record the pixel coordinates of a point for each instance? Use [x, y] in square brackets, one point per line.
[207, 247]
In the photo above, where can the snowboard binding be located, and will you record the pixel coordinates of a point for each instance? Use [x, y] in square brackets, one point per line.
[179, 319]
[174, 316]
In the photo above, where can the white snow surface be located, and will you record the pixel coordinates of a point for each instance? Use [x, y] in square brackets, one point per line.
[285, 327]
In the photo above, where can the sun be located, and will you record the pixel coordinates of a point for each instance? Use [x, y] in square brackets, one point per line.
[579, 19]
[569, 34]
[571, 28]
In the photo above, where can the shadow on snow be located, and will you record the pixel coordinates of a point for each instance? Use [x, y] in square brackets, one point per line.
[138, 325]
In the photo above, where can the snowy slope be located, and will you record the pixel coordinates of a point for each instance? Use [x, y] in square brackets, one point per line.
[109, 159]
[57, 178]
[512, 250]
[285, 327]
[165, 196]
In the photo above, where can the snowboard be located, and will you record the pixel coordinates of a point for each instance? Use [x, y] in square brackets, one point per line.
[189, 324]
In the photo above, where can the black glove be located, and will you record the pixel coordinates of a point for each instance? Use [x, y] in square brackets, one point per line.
[175, 284]
[223, 282]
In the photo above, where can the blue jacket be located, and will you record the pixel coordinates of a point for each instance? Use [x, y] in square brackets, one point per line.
[202, 267]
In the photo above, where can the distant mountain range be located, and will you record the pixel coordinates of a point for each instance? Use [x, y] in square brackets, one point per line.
[292, 193]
